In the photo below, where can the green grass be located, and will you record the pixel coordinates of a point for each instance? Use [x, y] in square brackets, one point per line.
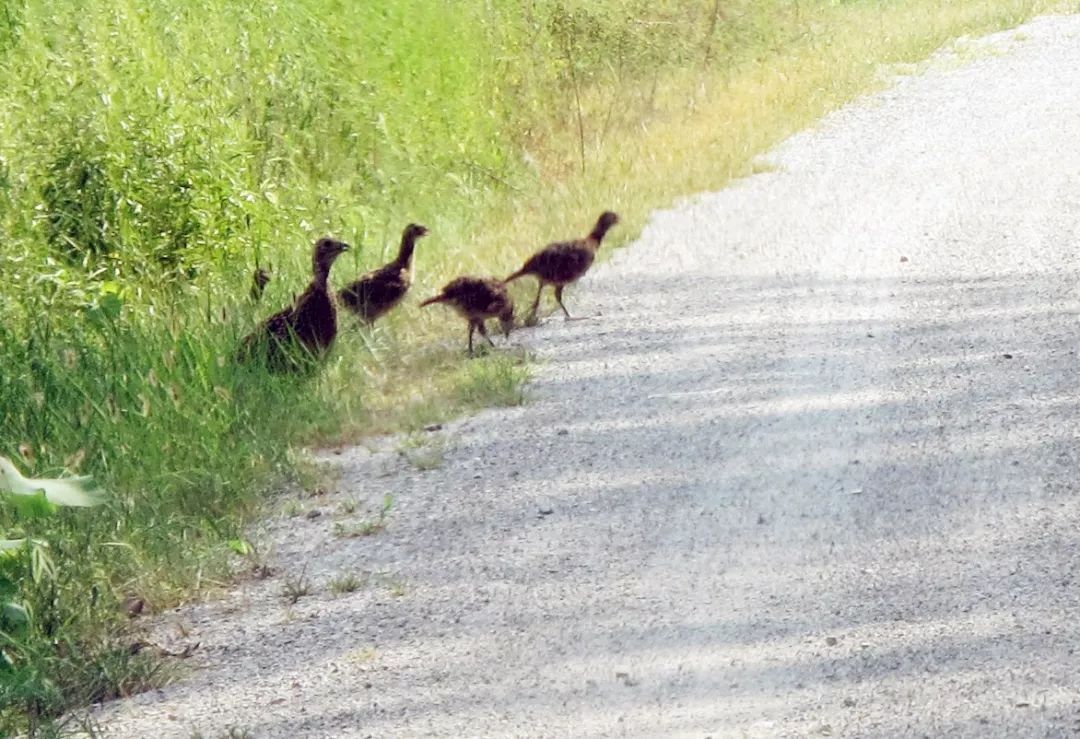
[153, 151]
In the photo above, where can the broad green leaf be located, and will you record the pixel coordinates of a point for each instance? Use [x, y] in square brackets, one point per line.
[13, 617]
[240, 546]
[62, 491]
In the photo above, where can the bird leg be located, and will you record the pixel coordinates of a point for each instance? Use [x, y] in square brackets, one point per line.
[558, 298]
[472, 327]
[483, 332]
[530, 320]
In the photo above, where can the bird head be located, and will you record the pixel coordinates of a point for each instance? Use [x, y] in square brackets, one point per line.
[326, 251]
[415, 231]
[506, 321]
[606, 220]
[261, 278]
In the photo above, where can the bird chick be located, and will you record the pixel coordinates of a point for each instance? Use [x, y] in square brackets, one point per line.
[564, 262]
[477, 299]
[374, 294]
[259, 280]
[291, 338]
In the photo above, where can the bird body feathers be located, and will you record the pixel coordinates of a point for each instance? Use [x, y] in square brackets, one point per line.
[377, 293]
[304, 331]
[564, 262]
[476, 299]
[560, 263]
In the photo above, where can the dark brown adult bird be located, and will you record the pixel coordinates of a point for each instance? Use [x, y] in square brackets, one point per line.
[564, 262]
[259, 280]
[476, 299]
[376, 293]
[293, 337]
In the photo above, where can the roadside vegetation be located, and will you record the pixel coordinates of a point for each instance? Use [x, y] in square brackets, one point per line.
[153, 152]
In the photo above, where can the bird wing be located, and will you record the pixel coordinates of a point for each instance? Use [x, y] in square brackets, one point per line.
[561, 261]
[378, 288]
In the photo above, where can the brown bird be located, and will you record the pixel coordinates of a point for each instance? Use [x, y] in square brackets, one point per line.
[374, 294]
[259, 280]
[292, 337]
[564, 262]
[477, 299]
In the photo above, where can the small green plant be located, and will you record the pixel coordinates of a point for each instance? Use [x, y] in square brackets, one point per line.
[348, 582]
[423, 451]
[496, 379]
[297, 587]
[369, 527]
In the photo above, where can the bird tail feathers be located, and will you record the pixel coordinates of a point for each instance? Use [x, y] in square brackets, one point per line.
[520, 273]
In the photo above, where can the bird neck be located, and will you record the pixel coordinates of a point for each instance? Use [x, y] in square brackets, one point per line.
[321, 275]
[408, 244]
[598, 232]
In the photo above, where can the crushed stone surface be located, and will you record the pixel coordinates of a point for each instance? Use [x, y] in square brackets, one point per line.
[811, 471]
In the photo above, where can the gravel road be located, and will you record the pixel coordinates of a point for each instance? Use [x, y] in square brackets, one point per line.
[813, 471]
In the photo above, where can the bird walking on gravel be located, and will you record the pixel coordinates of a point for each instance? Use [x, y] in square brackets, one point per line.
[564, 262]
[292, 337]
[476, 299]
[374, 294]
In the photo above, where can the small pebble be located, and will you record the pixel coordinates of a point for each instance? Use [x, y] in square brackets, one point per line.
[831, 641]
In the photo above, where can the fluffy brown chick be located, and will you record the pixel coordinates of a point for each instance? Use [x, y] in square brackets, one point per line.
[376, 293]
[477, 299]
[292, 337]
[564, 262]
[259, 280]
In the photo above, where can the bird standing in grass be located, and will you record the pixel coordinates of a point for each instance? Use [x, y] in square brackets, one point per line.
[292, 337]
[376, 293]
[477, 299]
[259, 280]
[564, 262]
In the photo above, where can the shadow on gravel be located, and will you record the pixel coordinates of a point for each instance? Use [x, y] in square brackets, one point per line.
[667, 525]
